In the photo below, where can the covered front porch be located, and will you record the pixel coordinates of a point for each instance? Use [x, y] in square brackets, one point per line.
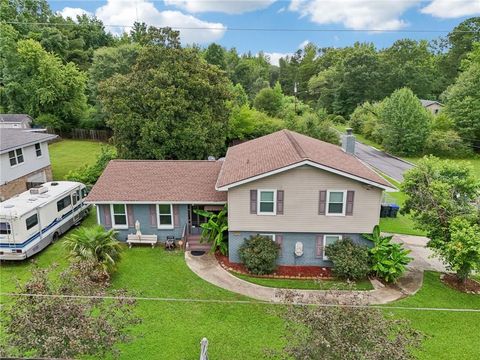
[192, 230]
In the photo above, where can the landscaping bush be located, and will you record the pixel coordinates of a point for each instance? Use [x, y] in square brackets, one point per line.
[446, 143]
[259, 254]
[350, 260]
[388, 259]
[89, 174]
[215, 230]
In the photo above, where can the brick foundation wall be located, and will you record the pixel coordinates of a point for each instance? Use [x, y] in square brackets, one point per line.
[19, 185]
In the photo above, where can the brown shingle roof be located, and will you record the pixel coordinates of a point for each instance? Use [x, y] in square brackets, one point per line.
[284, 148]
[158, 180]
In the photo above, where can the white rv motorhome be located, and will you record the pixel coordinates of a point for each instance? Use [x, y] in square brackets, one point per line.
[33, 219]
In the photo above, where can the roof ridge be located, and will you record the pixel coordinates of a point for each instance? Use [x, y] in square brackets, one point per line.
[163, 160]
[297, 147]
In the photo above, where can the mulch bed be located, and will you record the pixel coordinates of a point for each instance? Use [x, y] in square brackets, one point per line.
[282, 272]
[470, 286]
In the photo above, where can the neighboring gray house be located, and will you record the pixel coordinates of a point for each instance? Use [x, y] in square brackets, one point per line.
[15, 121]
[433, 106]
[24, 160]
[293, 188]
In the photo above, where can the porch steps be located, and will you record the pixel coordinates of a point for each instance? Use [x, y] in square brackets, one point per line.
[194, 244]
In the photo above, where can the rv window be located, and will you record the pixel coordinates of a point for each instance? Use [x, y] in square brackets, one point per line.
[31, 221]
[84, 193]
[62, 204]
[5, 228]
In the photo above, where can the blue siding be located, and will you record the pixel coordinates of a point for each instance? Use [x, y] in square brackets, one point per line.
[142, 214]
[287, 256]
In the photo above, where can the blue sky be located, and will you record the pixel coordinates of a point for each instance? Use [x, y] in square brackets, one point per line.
[395, 19]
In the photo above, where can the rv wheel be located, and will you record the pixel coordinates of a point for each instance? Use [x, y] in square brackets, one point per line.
[55, 237]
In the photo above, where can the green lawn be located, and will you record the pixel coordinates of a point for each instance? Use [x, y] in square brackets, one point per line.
[68, 155]
[173, 329]
[402, 224]
[306, 284]
[449, 335]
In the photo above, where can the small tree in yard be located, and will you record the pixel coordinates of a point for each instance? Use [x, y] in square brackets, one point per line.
[214, 231]
[350, 260]
[345, 333]
[388, 259]
[259, 254]
[42, 325]
[440, 198]
[406, 123]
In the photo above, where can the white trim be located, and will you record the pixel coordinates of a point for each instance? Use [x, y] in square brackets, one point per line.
[274, 212]
[324, 257]
[112, 215]
[159, 226]
[269, 234]
[301, 163]
[344, 204]
[106, 202]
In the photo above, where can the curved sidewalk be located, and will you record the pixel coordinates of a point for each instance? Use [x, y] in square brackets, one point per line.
[208, 268]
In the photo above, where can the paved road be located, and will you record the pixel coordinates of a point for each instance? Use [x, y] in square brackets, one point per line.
[382, 161]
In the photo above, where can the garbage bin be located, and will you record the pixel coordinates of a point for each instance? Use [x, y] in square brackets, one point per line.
[393, 210]
[384, 210]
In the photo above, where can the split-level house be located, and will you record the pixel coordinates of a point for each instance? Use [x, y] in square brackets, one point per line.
[24, 160]
[299, 191]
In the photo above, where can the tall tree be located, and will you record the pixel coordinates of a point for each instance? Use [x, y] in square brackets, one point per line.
[215, 55]
[172, 105]
[406, 123]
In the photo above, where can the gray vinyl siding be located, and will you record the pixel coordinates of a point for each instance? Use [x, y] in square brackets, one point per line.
[301, 188]
[142, 214]
[287, 256]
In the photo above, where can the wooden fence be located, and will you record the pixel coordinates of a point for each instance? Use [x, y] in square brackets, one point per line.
[84, 134]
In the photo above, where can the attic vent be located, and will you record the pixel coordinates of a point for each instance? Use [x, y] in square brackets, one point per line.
[38, 190]
[9, 206]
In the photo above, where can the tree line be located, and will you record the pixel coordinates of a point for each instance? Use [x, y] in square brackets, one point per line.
[167, 101]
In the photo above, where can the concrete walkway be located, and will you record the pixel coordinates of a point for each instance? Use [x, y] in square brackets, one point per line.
[207, 267]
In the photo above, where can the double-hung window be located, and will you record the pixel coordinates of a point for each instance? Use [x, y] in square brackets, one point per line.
[16, 157]
[267, 200]
[119, 216]
[165, 216]
[336, 202]
[38, 149]
[328, 240]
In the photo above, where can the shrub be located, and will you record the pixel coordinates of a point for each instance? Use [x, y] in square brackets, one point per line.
[89, 174]
[95, 244]
[446, 144]
[58, 327]
[350, 260]
[259, 254]
[388, 259]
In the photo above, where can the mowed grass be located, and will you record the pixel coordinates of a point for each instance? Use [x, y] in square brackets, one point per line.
[402, 224]
[448, 335]
[67, 155]
[307, 284]
[173, 325]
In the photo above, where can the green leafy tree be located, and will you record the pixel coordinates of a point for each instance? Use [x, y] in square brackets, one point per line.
[269, 100]
[154, 36]
[438, 193]
[463, 99]
[246, 123]
[89, 174]
[215, 55]
[172, 105]
[36, 82]
[215, 230]
[388, 259]
[406, 123]
[95, 244]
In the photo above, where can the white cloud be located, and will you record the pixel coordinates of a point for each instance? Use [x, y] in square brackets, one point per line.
[124, 14]
[275, 57]
[224, 6]
[303, 44]
[355, 14]
[69, 12]
[446, 9]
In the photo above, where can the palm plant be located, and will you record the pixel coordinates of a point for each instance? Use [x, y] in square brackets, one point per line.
[388, 259]
[95, 244]
[214, 231]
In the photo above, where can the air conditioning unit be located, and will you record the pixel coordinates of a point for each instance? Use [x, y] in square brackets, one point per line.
[38, 190]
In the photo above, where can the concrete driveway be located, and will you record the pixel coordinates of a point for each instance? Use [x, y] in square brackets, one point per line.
[423, 258]
[386, 163]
